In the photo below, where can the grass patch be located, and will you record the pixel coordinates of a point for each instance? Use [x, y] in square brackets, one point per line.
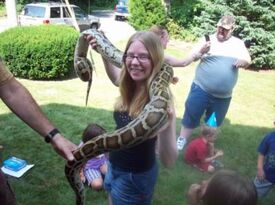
[248, 120]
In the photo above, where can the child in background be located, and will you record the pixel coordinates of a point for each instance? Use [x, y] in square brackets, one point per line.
[225, 187]
[265, 178]
[200, 152]
[97, 166]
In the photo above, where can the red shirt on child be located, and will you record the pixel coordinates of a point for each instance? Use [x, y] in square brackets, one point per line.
[196, 152]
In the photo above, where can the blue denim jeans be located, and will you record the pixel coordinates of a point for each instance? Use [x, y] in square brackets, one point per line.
[200, 102]
[127, 188]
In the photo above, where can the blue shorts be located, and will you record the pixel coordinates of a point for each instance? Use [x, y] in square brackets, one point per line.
[200, 102]
[130, 188]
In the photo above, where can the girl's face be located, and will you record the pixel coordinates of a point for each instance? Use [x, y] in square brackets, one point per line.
[138, 62]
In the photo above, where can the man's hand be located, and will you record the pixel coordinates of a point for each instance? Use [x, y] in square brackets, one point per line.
[241, 63]
[205, 48]
[63, 147]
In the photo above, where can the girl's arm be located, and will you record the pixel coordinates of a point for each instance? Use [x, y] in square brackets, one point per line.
[112, 71]
[168, 152]
[194, 56]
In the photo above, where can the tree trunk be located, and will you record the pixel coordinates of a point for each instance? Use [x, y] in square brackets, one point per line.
[167, 4]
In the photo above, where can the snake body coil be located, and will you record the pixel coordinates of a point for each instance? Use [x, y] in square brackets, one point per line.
[145, 126]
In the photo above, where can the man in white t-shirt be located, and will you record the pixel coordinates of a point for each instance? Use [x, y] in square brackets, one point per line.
[215, 78]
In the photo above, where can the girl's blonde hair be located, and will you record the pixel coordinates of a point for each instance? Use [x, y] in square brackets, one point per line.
[208, 131]
[131, 101]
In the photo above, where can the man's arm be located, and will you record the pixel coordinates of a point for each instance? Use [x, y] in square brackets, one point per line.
[21, 102]
[245, 60]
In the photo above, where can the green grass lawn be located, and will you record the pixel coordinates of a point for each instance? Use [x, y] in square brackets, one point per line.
[248, 120]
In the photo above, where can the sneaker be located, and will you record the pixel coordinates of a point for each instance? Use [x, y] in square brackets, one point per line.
[181, 142]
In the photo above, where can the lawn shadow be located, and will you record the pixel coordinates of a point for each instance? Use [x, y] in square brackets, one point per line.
[41, 183]
[239, 143]
[45, 182]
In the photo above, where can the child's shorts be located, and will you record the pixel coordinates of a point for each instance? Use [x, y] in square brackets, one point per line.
[263, 187]
[91, 174]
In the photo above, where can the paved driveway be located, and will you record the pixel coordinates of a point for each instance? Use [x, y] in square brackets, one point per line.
[114, 30]
[4, 24]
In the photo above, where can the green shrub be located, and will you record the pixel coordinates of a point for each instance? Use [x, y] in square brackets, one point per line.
[178, 32]
[183, 11]
[39, 52]
[145, 13]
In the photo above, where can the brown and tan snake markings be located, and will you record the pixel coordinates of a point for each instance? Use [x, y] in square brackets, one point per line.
[144, 127]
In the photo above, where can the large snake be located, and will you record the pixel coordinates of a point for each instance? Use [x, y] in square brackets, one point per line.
[144, 127]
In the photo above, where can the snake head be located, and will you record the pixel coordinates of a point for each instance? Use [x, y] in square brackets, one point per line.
[83, 68]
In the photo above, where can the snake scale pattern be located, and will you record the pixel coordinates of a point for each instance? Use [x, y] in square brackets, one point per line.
[145, 126]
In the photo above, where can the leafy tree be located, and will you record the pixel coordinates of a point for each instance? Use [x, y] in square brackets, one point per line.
[145, 13]
[255, 24]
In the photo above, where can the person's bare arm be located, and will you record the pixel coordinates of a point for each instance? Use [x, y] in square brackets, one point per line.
[21, 102]
[245, 60]
[112, 71]
[242, 63]
[217, 154]
[260, 167]
[168, 152]
[175, 62]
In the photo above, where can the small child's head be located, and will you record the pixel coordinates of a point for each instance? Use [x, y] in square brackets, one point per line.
[91, 131]
[227, 187]
[210, 133]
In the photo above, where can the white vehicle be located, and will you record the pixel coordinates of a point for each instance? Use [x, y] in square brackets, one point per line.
[56, 13]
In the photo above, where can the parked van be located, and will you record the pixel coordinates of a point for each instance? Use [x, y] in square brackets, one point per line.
[56, 13]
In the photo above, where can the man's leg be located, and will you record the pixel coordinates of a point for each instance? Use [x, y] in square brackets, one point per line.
[195, 106]
[6, 194]
[184, 135]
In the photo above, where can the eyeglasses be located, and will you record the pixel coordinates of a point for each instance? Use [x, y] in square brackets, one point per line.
[142, 58]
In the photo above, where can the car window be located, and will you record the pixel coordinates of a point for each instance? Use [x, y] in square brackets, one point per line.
[79, 13]
[34, 11]
[55, 12]
[123, 2]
